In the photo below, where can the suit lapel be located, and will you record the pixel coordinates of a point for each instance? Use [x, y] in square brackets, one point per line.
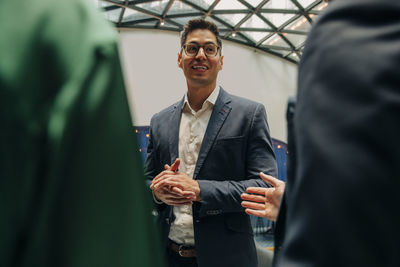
[174, 124]
[219, 114]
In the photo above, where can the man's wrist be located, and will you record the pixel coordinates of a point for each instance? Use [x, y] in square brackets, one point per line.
[198, 192]
[156, 200]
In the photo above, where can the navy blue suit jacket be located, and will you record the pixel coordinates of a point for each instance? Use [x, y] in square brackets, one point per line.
[342, 193]
[236, 148]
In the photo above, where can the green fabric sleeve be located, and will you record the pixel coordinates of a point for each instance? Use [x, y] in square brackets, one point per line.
[72, 189]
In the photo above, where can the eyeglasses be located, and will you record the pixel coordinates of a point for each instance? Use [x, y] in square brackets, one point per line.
[211, 50]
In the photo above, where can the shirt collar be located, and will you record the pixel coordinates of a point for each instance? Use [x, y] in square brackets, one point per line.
[211, 99]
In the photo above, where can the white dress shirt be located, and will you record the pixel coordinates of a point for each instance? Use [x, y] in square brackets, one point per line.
[191, 132]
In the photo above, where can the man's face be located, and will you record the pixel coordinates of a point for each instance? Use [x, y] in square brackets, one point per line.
[200, 70]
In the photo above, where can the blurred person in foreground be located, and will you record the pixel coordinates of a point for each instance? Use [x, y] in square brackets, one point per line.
[340, 203]
[72, 190]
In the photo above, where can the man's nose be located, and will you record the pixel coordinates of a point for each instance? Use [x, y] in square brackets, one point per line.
[200, 53]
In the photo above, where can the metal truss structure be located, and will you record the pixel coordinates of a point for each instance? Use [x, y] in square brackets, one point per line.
[278, 27]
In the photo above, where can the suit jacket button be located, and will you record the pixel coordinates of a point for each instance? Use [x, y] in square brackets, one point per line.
[167, 220]
[197, 221]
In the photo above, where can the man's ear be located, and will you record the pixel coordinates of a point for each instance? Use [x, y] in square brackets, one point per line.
[221, 62]
[179, 60]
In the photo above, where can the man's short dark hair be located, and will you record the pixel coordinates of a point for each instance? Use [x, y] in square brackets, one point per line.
[195, 24]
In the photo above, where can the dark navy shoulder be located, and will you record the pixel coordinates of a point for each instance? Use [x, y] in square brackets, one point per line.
[245, 103]
[166, 112]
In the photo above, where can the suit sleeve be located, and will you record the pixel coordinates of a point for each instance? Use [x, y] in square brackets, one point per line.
[224, 196]
[150, 168]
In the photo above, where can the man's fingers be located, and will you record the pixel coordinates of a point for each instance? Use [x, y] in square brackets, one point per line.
[163, 194]
[253, 205]
[269, 179]
[254, 198]
[187, 194]
[168, 181]
[257, 213]
[169, 190]
[161, 183]
[175, 165]
[256, 190]
[177, 190]
[168, 170]
[174, 193]
[161, 176]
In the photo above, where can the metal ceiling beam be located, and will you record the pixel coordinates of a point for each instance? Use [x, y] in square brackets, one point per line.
[275, 47]
[313, 5]
[205, 13]
[291, 20]
[197, 14]
[240, 11]
[265, 30]
[250, 13]
[227, 37]
[199, 8]
[277, 31]
[307, 12]
[231, 11]
[137, 2]
[279, 11]
[110, 8]
[134, 23]
[300, 46]
[121, 15]
[164, 28]
[212, 7]
[244, 29]
[294, 32]
[141, 10]
[212, 13]
[263, 49]
[284, 38]
[301, 8]
[167, 8]
[183, 15]
[281, 28]
[253, 11]
[165, 11]
[270, 24]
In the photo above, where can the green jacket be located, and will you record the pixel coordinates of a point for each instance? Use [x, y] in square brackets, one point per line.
[72, 192]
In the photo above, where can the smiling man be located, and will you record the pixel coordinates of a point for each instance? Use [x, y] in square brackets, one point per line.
[220, 143]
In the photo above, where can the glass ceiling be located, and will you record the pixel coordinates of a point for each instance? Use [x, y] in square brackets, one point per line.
[277, 27]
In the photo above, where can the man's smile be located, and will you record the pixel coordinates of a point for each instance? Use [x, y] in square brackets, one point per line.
[200, 67]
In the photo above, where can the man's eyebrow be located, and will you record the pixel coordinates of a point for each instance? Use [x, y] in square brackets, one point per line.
[204, 43]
